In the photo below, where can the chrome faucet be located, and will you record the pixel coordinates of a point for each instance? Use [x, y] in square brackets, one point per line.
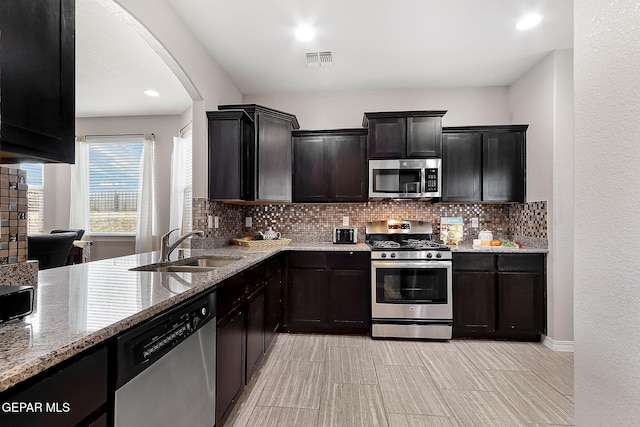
[166, 248]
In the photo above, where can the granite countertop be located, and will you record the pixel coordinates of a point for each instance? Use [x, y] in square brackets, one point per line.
[468, 247]
[77, 307]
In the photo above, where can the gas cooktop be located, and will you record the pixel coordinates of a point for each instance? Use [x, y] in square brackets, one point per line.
[401, 239]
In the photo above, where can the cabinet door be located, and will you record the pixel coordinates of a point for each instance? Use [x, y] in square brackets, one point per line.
[349, 301]
[80, 388]
[255, 331]
[38, 79]
[273, 307]
[387, 138]
[424, 136]
[474, 304]
[273, 166]
[225, 158]
[503, 167]
[307, 300]
[230, 366]
[310, 173]
[521, 303]
[347, 168]
[462, 167]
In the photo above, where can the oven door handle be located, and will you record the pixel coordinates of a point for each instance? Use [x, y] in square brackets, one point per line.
[411, 264]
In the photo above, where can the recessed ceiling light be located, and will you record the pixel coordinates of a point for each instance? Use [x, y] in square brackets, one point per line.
[151, 92]
[305, 33]
[529, 21]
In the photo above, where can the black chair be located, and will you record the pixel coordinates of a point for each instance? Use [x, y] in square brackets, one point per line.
[79, 232]
[51, 250]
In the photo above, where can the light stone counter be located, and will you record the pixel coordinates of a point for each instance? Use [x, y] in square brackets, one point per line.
[77, 307]
[466, 247]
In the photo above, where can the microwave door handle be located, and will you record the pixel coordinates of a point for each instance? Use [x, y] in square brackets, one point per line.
[423, 183]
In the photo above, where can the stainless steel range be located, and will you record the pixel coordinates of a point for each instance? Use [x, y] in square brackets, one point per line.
[411, 281]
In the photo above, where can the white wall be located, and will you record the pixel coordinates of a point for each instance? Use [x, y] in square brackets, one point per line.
[57, 177]
[607, 201]
[543, 98]
[344, 109]
[212, 84]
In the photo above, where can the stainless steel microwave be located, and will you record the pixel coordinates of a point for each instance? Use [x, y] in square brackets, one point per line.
[405, 178]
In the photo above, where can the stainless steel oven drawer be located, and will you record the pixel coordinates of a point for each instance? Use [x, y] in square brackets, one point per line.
[411, 330]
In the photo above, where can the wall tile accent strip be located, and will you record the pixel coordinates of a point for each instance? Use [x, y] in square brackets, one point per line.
[13, 215]
[314, 222]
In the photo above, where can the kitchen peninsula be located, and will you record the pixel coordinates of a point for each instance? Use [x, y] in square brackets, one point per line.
[80, 309]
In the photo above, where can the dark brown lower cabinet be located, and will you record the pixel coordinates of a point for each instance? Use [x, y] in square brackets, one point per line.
[72, 395]
[230, 366]
[273, 306]
[307, 302]
[474, 302]
[255, 331]
[499, 296]
[348, 292]
[521, 302]
[249, 306]
[328, 292]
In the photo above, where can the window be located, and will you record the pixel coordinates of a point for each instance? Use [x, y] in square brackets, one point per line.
[188, 190]
[113, 186]
[35, 197]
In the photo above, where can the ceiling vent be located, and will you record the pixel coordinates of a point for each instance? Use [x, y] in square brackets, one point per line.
[319, 59]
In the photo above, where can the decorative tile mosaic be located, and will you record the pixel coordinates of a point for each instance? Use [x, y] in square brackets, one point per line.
[529, 219]
[314, 222]
[13, 215]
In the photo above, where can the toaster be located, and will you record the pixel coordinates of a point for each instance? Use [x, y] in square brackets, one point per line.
[345, 235]
[15, 302]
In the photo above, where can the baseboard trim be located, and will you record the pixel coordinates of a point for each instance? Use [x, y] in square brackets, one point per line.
[556, 345]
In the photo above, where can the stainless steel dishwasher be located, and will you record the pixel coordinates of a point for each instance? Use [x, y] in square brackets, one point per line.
[166, 369]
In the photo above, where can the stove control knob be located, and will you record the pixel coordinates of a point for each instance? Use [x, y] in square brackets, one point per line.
[439, 255]
[429, 255]
[393, 255]
[383, 255]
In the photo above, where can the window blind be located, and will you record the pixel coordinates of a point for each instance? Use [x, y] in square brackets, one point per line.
[35, 197]
[113, 185]
[187, 213]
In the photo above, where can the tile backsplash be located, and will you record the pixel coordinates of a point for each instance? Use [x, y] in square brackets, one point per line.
[13, 215]
[313, 222]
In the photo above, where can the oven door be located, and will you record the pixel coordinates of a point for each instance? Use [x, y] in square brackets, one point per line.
[411, 290]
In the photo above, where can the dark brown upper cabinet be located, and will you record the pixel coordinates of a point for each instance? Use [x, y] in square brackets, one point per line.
[256, 149]
[484, 164]
[330, 166]
[37, 69]
[402, 134]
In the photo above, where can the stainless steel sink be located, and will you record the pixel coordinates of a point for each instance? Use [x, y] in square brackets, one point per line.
[185, 269]
[190, 265]
[212, 261]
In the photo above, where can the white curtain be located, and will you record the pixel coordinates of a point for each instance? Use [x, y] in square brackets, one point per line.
[146, 203]
[79, 208]
[176, 201]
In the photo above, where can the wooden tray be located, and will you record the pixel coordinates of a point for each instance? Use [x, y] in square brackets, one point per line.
[277, 242]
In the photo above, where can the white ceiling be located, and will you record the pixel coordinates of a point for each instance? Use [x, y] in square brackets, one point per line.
[376, 44]
[114, 66]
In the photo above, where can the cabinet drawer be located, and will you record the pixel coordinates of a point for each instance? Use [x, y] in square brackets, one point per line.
[67, 396]
[351, 260]
[254, 277]
[230, 293]
[272, 266]
[474, 262]
[521, 262]
[307, 260]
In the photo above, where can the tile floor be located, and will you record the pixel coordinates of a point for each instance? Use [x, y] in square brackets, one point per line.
[324, 380]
